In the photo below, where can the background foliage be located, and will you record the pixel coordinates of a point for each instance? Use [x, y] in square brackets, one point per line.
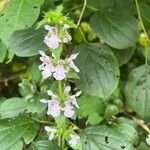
[112, 39]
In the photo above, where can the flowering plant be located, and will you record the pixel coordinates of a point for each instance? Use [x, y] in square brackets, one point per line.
[72, 75]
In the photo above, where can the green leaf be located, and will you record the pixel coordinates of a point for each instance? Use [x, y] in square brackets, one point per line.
[3, 51]
[100, 4]
[104, 138]
[99, 70]
[17, 15]
[128, 130]
[144, 8]
[94, 118]
[11, 132]
[46, 145]
[29, 135]
[12, 107]
[123, 56]
[27, 42]
[34, 104]
[116, 28]
[17, 146]
[90, 104]
[137, 91]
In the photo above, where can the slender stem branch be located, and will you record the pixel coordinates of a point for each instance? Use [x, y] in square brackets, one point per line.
[139, 122]
[60, 90]
[143, 28]
[82, 12]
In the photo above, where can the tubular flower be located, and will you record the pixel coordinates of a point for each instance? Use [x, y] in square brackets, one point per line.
[52, 132]
[51, 39]
[73, 140]
[58, 70]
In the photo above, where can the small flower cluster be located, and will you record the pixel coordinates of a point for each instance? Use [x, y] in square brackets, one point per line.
[73, 139]
[54, 37]
[58, 68]
[55, 107]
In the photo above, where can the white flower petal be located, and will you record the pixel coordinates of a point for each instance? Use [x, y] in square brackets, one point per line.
[78, 93]
[47, 27]
[44, 101]
[67, 89]
[73, 140]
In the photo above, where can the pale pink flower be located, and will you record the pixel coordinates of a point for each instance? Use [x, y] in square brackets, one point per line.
[68, 110]
[52, 42]
[71, 63]
[60, 72]
[52, 132]
[51, 39]
[54, 108]
[46, 66]
[73, 140]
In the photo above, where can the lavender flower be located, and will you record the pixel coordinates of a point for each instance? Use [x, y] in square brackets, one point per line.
[60, 72]
[46, 66]
[54, 108]
[73, 140]
[71, 63]
[52, 39]
[52, 132]
[68, 110]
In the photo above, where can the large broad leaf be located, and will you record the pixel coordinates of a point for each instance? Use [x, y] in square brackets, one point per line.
[3, 51]
[127, 129]
[17, 15]
[99, 70]
[123, 56]
[137, 91]
[11, 132]
[104, 138]
[27, 42]
[45, 145]
[144, 8]
[116, 28]
[12, 107]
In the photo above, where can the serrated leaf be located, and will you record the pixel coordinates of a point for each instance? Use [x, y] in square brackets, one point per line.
[30, 134]
[28, 42]
[104, 138]
[137, 91]
[3, 51]
[123, 56]
[94, 118]
[17, 15]
[116, 28]
[11, 131]
[99, 70]
[128, 131]
[12, 107]
[45, 145]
